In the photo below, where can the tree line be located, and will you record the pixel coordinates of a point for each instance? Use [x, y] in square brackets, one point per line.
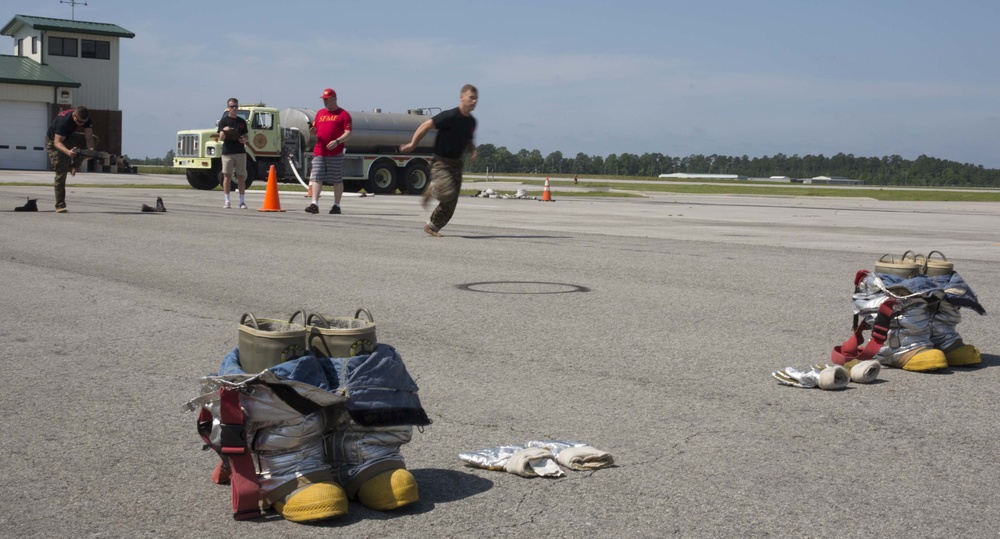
[886, 170]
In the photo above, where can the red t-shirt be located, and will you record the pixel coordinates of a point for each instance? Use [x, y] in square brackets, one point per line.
[329, 126]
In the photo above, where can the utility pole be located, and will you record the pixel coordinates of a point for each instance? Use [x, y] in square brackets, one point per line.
[73, 3]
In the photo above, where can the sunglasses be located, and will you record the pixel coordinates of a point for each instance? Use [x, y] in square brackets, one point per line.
[234, 106]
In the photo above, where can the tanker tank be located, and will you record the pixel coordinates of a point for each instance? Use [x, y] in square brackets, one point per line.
[372, 132]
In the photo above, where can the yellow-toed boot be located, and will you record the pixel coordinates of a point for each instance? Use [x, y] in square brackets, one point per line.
[389, 490]
[922, 360]
[313, 502]
[963, 355]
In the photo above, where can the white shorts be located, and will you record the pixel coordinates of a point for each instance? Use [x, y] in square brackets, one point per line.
[237, 161]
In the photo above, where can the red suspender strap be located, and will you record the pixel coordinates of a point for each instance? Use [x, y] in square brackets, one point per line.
[246, 491]
[880, 331]
[221, 474]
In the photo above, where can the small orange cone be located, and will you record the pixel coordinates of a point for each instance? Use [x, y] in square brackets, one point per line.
[546, 194]
[271, 202]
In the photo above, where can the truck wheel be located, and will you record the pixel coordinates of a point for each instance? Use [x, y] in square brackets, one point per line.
[251, 177]
[381, 178]
[416, 176]
[202, 179]
[251, 173]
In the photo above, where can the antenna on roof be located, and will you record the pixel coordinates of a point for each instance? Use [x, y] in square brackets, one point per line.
[73, 3]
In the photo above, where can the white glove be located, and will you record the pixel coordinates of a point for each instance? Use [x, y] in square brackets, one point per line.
[865, 372]
[533, 462]
[862, 372]
[824, 377]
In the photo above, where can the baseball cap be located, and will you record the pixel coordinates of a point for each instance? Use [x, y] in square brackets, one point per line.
[328, 93]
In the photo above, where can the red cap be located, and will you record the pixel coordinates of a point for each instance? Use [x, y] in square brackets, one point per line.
[328, 93]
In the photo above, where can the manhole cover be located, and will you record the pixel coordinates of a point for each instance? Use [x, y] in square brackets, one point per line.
[522, 287]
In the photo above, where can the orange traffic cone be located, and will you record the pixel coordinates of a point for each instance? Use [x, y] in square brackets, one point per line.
[546, 194]
[271, 202]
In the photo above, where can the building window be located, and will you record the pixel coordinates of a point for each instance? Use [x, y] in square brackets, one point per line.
[95, 49]
[34, 44]
[20, 47]
[62, 46]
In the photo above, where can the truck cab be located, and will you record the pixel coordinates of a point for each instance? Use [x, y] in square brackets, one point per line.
[199, 151]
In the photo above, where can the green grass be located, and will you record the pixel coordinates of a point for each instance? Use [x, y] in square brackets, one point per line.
[155, 169]
[591, 188]
[561, 194]
[878, 193]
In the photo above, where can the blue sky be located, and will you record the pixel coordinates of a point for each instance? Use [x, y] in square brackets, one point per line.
[728, 77]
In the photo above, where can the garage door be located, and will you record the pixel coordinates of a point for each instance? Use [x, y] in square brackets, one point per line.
[22, 139]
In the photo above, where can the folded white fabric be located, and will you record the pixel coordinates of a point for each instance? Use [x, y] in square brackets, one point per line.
[533, 462]
[584, 457]
[575, 455]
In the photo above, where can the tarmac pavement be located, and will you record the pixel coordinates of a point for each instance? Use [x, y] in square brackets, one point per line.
[646, 327]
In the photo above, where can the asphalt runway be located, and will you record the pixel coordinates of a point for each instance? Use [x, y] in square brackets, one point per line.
[646, 327]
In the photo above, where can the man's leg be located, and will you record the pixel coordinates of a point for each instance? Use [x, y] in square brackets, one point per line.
[228, 164]
[446, 186]
[316, 182]
[338, 192]
[61, 164]
[226, 182]
[241, 177]
[335, 170]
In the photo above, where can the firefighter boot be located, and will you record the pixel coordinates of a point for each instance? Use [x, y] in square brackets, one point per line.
[316, 501]
[389, 490]
[946, 338]
[909, 345]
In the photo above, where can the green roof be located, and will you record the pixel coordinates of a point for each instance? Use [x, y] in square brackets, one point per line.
[24, 70]
[63, 25]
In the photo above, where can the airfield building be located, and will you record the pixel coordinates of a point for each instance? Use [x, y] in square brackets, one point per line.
[57, 64]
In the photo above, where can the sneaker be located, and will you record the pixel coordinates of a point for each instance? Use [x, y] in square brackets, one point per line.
[61, 210]
[312, 208]
[335, 209]
[431, 231]
[243, 206]
[226, 206]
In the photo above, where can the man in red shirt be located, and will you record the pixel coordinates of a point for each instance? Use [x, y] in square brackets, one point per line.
[332, 127]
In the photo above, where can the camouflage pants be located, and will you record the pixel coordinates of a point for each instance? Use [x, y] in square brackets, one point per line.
[446, 184]
[62, 163]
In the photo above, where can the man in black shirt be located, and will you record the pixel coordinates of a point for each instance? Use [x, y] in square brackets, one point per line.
[233, 134]
[456, 129]
[63, 142]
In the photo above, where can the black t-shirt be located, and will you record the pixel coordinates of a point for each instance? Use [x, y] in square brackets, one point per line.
[454, 131]
[64, 125]
[232, 145]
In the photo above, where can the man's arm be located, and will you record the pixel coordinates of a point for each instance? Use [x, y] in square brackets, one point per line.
[342, 139]
[473, 153]
[418, 135]
[59, 144]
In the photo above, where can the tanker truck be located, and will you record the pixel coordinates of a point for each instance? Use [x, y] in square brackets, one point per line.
[282, 138]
